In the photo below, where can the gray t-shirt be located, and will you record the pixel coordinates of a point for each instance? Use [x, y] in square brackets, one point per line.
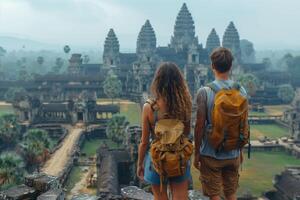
[205, 101]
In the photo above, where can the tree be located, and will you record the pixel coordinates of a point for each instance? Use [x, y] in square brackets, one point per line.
[247, 50]
[267, 62]
[67, 49]
[86, 59]
[249, 82]
[23, 74]
[9, 130]
[11, 169]
[286, 93]
[14, 94]
[2, 53]
[35, 147]
[294, 66]
[40, 60]
[39, 135]
[58, 65]
[116, 129]
[112, 86]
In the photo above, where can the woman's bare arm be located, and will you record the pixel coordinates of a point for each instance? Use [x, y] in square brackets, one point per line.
[145, 134]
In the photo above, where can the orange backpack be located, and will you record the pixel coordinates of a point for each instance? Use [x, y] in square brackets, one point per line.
[170, 150]
[229, 119]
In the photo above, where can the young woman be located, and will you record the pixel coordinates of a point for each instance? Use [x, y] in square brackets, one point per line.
[172, 100]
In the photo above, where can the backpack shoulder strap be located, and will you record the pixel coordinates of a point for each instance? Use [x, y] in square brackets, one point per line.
[236, 86]
[152, 103]
[214, 87]
[154, 108]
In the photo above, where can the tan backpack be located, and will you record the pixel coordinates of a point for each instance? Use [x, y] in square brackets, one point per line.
[170, 150]
[229, 119]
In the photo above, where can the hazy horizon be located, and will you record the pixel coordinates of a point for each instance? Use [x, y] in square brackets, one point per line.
[269, 24]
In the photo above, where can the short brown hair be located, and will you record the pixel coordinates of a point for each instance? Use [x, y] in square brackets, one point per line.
[221, 59]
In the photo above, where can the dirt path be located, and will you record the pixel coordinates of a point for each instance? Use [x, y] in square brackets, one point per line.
[81, 186]
[61, 156]
[4, 103]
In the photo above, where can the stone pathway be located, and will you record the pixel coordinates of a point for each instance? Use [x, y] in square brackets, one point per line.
[59, 159]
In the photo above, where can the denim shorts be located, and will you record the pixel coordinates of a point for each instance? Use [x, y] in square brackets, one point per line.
[152, 177]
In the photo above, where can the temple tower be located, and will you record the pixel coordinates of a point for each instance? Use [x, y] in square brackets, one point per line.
[184, 30]
[231, 40]
[146, 42]
[144, 68]
[212, 42]
[75, 63]
[111, 49]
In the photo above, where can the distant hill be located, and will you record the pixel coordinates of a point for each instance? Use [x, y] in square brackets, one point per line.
[15, 43]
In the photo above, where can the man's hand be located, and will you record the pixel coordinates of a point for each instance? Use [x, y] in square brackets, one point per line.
[242, 156]
[197, 162]
[140, 172]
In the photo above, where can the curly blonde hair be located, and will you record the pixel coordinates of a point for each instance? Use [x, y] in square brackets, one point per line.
[169, 84]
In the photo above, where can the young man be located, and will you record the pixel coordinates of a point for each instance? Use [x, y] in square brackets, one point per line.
[219, 168]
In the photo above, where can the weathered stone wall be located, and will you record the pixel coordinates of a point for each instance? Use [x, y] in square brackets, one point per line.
[63, 176]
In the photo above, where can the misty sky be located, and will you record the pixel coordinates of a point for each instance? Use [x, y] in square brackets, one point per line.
[269, 24]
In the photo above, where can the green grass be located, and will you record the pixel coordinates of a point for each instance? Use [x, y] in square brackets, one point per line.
[258, 172]
[255, 113]
[73, 178]
[90, 146]
[6, 109]
[272, 131]
[132, 112]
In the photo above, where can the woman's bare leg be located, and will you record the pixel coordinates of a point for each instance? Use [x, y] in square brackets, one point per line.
[179, 190]
[159, 195]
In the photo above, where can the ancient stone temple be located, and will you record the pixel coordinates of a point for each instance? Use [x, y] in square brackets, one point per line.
[111, 49]
[143, 69]
[134, 70]
[184, 30]
[292, 117]
[287, 185]
[146, 42]
[213, 41]
[248, 52]
[75, 63]
[231, 40]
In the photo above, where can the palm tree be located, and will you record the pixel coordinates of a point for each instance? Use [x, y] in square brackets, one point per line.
[9, 130]
[67, 49]
[58, 65]
[38, 135]
[34, 153]
[11, 169]
[116, 129]
[35, 147]
[86, 59]
[249, 82]
[40, 60]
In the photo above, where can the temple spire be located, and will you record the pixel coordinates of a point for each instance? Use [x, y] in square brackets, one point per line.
[111, 49]
[231, 40]
[184, 30]
[213, 41]
[146, 41]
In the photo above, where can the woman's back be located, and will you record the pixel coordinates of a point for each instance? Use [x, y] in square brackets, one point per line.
[172, 108]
